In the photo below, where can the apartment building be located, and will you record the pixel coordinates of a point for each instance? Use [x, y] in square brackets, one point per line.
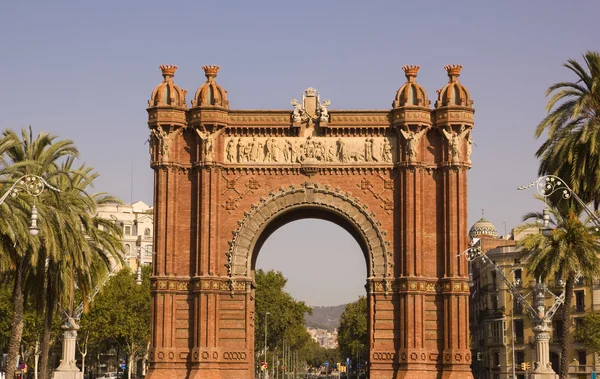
[137, 222]
[501, 332]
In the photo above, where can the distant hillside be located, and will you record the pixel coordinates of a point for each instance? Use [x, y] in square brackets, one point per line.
[325, 317]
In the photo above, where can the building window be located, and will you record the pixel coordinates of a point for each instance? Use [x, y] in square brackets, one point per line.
[494, 302]
[517, 307]
[519, 335]
[496, 360]
[557, 329]
[582, 358]
[519, 357]
[497, 332]
[580, 301]
[518, 277]
[148, 249]
[147, 232]
[128, 230]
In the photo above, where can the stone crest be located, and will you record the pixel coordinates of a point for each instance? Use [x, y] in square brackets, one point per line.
[311, 110]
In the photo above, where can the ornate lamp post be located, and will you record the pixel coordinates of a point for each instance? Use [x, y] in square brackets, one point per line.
[33, 185]
[540, 316]
[138, 244]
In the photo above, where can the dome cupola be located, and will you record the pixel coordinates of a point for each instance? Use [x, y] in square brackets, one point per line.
[167, 93]
[411, 94]
[210, 94]
[483, 229]
[453, 93]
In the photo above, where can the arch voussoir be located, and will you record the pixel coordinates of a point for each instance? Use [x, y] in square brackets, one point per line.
[308, 194]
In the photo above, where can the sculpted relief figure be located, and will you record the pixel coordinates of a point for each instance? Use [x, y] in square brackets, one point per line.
[369, 153]
[386, 151]
[454, 140]
[412, 142]
[230, 151]
[208, 144]
[341, 151]
[324, 112]
[469, 142]
[164, 141]
[297, 113]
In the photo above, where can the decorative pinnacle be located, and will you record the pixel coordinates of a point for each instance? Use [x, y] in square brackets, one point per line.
[211, 70]
[453, 71]
[410, 71]
[168, 70]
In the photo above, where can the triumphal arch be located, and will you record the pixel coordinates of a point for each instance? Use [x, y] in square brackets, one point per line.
[225, 179]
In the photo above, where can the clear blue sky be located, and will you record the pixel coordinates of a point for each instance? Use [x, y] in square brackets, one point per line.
[84, 70]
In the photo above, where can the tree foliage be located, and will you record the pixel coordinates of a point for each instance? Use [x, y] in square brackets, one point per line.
[589, 332]
[286, 315]
[120, 316]
[572, 148]
[353, 337]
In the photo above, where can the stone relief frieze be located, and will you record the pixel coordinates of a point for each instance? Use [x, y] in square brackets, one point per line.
[327, 150]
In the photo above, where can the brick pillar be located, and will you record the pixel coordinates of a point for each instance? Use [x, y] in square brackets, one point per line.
[455, 287]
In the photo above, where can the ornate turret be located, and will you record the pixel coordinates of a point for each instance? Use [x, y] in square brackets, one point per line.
[210, 94]
[167, 93]
[166, 116]
[411, 94]
[210, 105]
[454, 93]
[453, 117]
[411, 114]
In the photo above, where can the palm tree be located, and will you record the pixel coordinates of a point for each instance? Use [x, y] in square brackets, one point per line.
[572, 150]
[19, 250]
[571, 248]
[80, 247]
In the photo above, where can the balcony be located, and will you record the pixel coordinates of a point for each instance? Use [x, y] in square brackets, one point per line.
[581, 369]
[555, 339]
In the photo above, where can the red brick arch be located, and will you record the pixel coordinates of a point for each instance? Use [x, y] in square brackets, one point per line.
[225, 179]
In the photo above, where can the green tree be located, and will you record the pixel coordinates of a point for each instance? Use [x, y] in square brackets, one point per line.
[353, 335]
[589, 332]
[572, 148]
[78, 247]
[571, 248]
[19, 251]
[120, 315]
[285, 322]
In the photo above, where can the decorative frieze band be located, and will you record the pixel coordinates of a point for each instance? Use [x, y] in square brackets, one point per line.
[419, 285]
[216, 284]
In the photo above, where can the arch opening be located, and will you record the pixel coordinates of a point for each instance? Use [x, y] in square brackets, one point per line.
[306, 213]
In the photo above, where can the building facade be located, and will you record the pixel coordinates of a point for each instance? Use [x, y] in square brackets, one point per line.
[501, 334]
[137, 222]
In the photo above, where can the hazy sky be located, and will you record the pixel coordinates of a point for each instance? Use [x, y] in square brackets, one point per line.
[84, 70]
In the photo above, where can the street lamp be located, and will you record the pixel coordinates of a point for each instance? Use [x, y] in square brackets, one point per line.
[138, 244]
[547, 185]
[266, 318]
[34, 185]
